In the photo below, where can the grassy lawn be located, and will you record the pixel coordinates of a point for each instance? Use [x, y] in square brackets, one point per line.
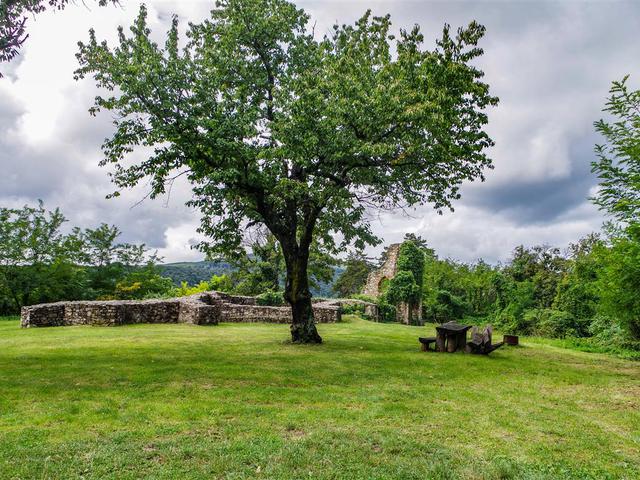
[236, 401]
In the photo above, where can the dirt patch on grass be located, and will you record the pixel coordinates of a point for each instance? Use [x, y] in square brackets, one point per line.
[295, 433]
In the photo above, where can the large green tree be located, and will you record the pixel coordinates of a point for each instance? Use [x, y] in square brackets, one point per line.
[274, 126]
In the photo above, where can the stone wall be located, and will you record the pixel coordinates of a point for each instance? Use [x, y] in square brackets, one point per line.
[207, 308]
[387, 271]
[409, 314]
[405, 313]
[112, 313]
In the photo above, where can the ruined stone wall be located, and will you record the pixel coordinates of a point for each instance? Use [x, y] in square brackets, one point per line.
[253, 313]
[409, 314]
[405, 313]
[327, 313]
[387, 271]
[236, 299]
[46, 315]
[208, 308]
[101, 313]
[112, 313]
[199, 313]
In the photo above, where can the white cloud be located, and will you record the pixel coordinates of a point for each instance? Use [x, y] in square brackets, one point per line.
[178, 243]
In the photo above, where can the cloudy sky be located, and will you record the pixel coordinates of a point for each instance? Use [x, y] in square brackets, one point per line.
[551, 64]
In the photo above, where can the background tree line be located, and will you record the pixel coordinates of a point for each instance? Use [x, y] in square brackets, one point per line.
[41, 263]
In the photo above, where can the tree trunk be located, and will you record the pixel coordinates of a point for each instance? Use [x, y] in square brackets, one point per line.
[303, 326]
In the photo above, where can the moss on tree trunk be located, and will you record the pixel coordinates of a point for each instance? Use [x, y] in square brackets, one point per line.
[297, 294]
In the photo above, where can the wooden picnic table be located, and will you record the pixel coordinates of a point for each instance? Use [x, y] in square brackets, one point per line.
[451, 337]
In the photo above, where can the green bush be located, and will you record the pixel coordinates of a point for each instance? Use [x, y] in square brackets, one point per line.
[364, 298]
[512, 320]
[444, 307]
[411, 259]
[142, 283]
[542, 322]
[353, 309]
[221, 283]
[403, 288]
[605, 327]
[270, 299]
[610, 334]
[553, 323]
[386, 311]
[184, 290]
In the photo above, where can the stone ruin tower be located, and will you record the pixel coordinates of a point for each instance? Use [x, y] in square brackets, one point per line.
[405, 313]
[386, 272]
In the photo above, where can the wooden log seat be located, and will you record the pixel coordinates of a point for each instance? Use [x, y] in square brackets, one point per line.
[425, 342]
[481, 342]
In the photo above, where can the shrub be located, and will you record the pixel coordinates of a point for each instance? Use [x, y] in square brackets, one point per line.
[352, 309]
[364, 298]
[220, 283]
[512, 320]
[411, 259]
[270, 299]
[142, 283]
[610, 334]
[543, 322]
[605, 327]
[386, 311]
[184, 290]
[444, 307]
[553, 323]
[403, 288]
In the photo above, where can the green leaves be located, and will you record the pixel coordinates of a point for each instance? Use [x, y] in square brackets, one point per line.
[619, 281]
[403, 288]
[354, 276]
[618, 162]
[276, 128]
[411, 259]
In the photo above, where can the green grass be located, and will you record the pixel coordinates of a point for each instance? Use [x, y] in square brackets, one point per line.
[236, 401]
[590, 344]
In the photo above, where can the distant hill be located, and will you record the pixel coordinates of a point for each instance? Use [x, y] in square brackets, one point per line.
[193, 272]
[326, 289]
[196, 272]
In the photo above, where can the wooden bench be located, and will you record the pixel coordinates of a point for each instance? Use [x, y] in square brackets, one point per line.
[481, 342]
[425, 342]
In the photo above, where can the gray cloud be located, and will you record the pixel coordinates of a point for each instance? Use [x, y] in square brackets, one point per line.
[551, 63]
[541, 200]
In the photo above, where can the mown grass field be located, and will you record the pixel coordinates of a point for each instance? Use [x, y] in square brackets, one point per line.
[237, 401]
